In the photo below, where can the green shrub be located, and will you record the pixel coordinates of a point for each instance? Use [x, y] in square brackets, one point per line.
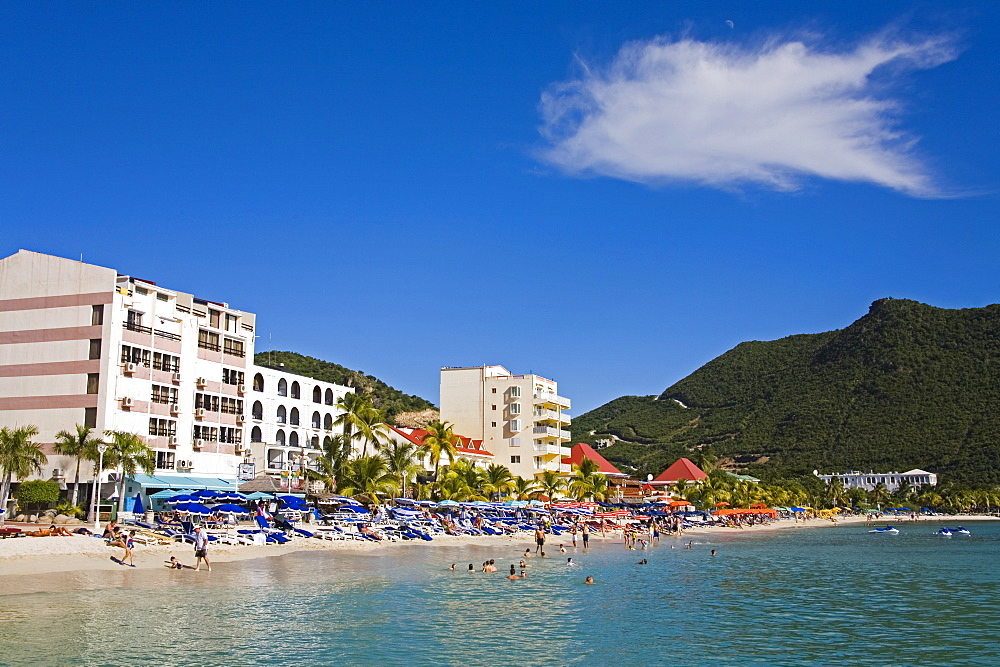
[39, 492]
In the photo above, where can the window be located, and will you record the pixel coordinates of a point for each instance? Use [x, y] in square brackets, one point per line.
[135, 355]
[230, 436]
[328, 422]
[255, 435]
[134, 321]
[90, 417]
[233, 347]
[258, 382]
[296, 390]
[515, 459]
[213, 318]
[317, 395]
[208, 340]
[232, 376]
[160, 296]
[494, 407]
[282, 414]
[165, 460]
[231, 321]
[329, 397]
[493, 424]
[515, 392]
[231, 406]
[162, 427]
[141, 291]
[515, 442]
[515, 408]
[282, 387]
[279, 438]
[515, 425]
[93, 382]
[164, 395]
[166, 362]
[316, 420]
[206, 402]
[258, 410]
[96, 315]
[293, 417]
[293, 439]
[95, 348]
[494, 390]
[206, 433]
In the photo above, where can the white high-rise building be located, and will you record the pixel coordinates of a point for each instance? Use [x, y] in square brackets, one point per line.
[83, 344]
[519, 418]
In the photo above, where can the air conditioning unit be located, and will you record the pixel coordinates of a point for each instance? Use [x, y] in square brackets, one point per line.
[199, 413]
[131, 367]
[198, 443]
[128, 402]
[240, 449]
[175, 409]
[176, 378]
[241, 389]
[241, 419]
[201, 382]
[57, 473]
[184, 465]
[173, 441]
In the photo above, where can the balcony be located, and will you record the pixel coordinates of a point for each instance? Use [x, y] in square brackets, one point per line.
[138, 328]
[553, 399]
[551, 449]
[543, 414]
[550, 432]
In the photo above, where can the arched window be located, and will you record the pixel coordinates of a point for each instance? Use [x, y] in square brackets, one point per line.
[327, 442]
[282, 415]
[314, 442]
[279, 437]
[329, 397]
[296, 390]
[328, 421]
[258, 410]
[282, 387]
[255, 435]
[258, 382]
[317, 395]
[293, 417]
[315, 420]
[293, 439]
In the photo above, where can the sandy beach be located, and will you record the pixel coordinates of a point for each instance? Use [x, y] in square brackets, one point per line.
[22, 558]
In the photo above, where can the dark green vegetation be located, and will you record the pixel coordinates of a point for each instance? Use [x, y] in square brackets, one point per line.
[906, 386]
[384, 397]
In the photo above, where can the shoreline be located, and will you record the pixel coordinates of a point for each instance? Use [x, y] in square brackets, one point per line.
[54, 564]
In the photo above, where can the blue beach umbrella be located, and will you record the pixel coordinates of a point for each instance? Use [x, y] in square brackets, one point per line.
[137, 507]
[182, 498]
[206, 494]
[193, 508]
[229, 508]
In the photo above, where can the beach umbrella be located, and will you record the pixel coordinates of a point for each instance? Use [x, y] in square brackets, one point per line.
[206, 494]
[193, 508]
[231, 496]
[447, 503]
[182, 498]
[229, 508]
[137, 508]
[722, 504]
[259, 495]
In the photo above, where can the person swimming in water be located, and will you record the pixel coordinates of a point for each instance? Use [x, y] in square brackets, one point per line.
[642, 562]
[588, 580]
[570, 563]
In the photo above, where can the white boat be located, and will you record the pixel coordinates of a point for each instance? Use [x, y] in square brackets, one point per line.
[961, 531]
[892, 530]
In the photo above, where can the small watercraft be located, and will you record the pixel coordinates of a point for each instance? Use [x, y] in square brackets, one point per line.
[961, 531]
[944, 532]
[892, 530]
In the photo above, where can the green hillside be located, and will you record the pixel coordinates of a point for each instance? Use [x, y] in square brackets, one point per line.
[906, 386]
[392, 400]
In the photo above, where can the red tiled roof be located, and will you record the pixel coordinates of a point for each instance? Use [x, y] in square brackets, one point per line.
[467, 446]
[582, 451]
[681, 469]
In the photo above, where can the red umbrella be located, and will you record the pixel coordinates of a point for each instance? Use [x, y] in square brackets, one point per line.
[723, 504]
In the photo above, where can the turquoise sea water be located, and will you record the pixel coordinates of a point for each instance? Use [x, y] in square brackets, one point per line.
[827, 596]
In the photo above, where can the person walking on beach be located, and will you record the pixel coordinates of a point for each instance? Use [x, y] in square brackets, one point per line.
[586, 536]
[539, 539]
[201, 549]
[573, 533]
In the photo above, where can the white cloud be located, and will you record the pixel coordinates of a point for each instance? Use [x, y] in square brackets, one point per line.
[725, 116]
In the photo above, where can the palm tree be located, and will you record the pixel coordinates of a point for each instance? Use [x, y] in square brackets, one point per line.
[19, 457]
[401, 460]
[127, 453]
[362, 421]
[368, 475]
[586, 478]
[440, 440]
[835, 491]
[522, 488]
[497, 480]
[550, 483]
[879, 495]
[80, 446]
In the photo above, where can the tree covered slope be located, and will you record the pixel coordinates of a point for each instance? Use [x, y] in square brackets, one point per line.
[907, 385]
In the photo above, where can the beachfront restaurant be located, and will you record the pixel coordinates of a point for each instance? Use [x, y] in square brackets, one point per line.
[150, 486]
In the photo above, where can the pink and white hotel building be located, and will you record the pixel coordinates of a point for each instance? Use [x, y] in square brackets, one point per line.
[83, 344]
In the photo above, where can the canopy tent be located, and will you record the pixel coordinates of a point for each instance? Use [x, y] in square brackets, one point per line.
[760, 510]
[180, 482]
[260, 495]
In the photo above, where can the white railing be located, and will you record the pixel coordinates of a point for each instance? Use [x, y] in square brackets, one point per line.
[550, 397]
[554, 415]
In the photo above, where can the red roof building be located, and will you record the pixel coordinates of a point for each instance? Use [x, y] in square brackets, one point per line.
[468, 448]
[681, 469]
[582, 451]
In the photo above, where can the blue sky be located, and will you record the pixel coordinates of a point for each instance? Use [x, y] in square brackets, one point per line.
[607, 194]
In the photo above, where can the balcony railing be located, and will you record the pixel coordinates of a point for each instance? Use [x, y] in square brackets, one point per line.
[549, 397]
[134, 326]
[552, 414]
